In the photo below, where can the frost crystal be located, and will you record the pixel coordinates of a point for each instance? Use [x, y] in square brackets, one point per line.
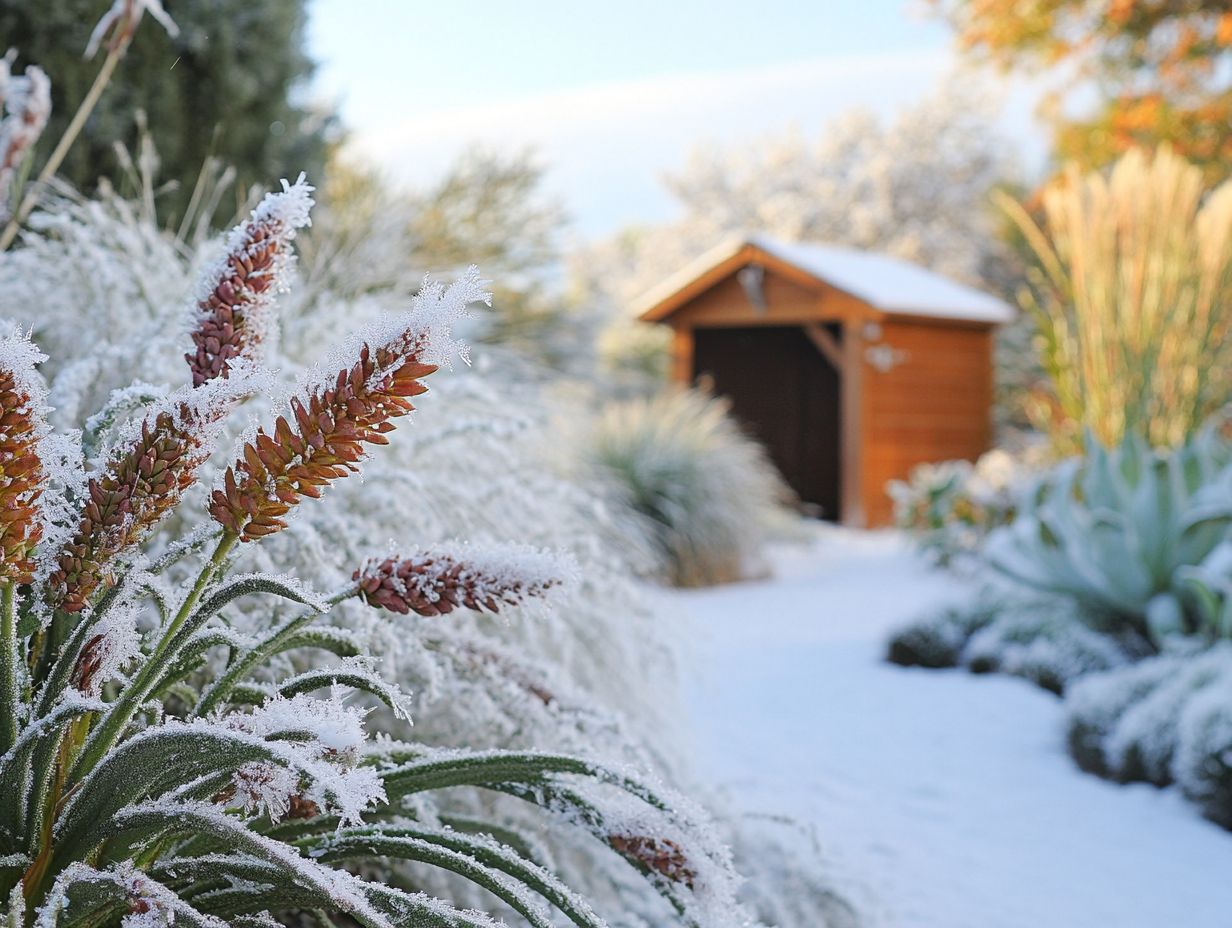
[323, 739]
[114, 644]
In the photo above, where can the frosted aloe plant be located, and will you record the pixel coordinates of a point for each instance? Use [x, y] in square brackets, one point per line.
[1122, 530]
[152, 768]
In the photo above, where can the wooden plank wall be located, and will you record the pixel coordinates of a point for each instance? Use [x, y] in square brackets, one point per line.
[935, 405]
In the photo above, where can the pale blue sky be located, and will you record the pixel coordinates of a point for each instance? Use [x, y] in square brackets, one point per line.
[613, 95]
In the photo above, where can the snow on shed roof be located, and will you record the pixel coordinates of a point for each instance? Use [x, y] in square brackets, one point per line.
[889, 284]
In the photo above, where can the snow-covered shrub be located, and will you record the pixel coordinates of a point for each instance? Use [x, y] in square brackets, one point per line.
[1165, 720]
[1036, 638]
[1040, 640]
[951, 507]
[936, 639]
[706, 491]
[1203, 760]
[162, 761]
[1094, 707]
[1118, 531]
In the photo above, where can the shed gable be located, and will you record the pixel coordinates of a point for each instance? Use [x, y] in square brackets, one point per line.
[784, 300]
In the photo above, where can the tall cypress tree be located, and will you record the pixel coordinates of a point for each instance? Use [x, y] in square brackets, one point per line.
[230, 85]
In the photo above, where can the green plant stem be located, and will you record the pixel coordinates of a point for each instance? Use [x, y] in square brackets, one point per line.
[10, 660]
[66, 142]
[222, 687]
[122, 712]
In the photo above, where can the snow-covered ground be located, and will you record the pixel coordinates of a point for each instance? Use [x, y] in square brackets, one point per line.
[940, 799]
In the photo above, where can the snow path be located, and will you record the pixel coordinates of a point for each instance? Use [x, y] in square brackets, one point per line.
[940, 799]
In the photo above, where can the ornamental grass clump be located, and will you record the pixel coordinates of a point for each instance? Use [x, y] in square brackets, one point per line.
[159, 766]
[1132, 300]
[707, 493]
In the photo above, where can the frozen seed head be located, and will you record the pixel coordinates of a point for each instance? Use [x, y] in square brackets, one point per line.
[234, 306]
[23, 425]
[330, 424]
[435, 582]
[26, 104]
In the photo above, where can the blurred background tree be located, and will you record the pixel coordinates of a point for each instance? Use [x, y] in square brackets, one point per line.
[488, 208]
[230, 86]
[915, 186]
[1162, 69]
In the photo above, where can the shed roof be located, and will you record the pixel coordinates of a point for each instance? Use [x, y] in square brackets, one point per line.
[885, 283]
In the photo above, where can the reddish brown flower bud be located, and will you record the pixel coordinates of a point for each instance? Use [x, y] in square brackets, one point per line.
[22, 479]
[661, 855]
[436, 583]
[323, 440]
[325, 435]
[143, 481]
[237, 295]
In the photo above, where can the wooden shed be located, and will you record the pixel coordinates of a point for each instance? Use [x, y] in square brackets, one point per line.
[851, 367]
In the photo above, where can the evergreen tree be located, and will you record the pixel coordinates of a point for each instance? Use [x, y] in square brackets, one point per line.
[228, 85]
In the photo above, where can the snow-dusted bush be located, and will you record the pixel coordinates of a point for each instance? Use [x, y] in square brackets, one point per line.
[1119, 532]
[1036, 638]
[1094, 707]
[705, 490]
[936, 639]
[160, 761]
[1203, 760]
[1041, 641]
[1165, 720]
[951, 507]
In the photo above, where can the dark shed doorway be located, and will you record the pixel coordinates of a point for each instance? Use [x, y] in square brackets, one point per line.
[786, 395]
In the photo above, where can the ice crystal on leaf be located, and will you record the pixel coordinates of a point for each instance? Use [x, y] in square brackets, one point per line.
[114, 643]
